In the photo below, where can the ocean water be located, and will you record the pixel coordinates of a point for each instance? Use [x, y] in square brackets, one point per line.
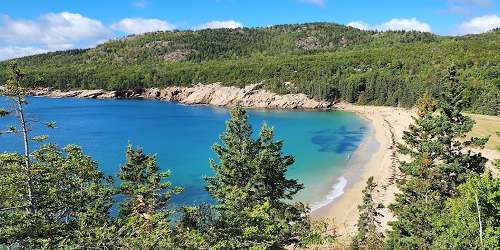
[181, 137]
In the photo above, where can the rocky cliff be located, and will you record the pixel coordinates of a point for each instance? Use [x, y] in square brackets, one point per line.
[252, 96]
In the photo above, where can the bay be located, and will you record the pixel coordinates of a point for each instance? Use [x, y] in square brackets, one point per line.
[181, 137]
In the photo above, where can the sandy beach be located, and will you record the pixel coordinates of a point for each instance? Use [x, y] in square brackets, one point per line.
[388, 125]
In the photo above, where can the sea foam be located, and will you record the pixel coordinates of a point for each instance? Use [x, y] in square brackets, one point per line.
[336, 191]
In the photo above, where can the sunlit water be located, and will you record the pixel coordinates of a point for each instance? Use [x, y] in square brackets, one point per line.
[182, 136]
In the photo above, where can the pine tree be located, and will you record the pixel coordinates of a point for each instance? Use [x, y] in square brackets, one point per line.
[73, 199]
[440, 163]
[367, 236]
[144, 213]
[270, 182]
[236, 159]
[49, 197]
[254, 196]
[15, 89]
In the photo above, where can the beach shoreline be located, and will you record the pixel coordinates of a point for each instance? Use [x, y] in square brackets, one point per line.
[387, 126]
[352, 170]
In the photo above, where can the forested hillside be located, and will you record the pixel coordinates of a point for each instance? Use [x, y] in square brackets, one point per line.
[322, 60]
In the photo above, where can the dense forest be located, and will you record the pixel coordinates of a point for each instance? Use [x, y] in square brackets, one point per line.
[323, 60]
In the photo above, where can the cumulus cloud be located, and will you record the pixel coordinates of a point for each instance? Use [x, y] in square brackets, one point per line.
[405, 24]
[53, 30]
[15, 51]
[49, 32]
[141, 25]
[394, 24]
[230, 24]
[319, 3]
[359, 25]
[479, 24]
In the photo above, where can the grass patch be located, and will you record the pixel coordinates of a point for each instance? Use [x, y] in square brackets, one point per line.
[486, 125]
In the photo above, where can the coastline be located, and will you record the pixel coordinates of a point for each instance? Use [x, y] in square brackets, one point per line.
[388, 124]
[352, 171]
[215, 94]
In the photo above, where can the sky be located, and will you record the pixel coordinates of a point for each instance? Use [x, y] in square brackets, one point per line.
[37, 26]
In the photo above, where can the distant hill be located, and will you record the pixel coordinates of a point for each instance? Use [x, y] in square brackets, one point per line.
[323, 60]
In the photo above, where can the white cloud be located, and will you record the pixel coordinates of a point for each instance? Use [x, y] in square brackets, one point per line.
[141, 25]
[15, 51]
[479, 24]
[359, 25]
[230, 24]
[53, 30]
[319, 3]
[394, 24]
[74, 27]
[405, 24]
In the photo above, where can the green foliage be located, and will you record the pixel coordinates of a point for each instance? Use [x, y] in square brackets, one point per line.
[367, 236]
[143, 184]
[50, 197]
[144, 214]
[254, 196]
[250, 169]
[322, 60]
[72, 199]
[320, 234]
[458, 227]
[196, 227]
[40, 138]
[14, 89]
[14, 86]
[441, 161]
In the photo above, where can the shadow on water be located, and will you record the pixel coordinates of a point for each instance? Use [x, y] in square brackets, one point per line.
[341, 140]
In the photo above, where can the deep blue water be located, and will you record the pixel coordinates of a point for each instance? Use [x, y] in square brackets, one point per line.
[182, 136]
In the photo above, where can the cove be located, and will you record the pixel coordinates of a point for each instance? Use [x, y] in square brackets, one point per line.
[181, 137]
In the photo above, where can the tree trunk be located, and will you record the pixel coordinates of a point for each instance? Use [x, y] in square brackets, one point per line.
[479, 220]
[29, 181]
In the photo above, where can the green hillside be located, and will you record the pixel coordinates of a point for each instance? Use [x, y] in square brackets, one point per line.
[322, 60]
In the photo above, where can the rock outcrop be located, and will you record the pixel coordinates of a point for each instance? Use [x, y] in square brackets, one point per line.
[252, 96]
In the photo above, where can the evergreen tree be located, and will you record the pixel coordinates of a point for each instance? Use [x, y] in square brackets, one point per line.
[143, 220]
[196, 227]
[440, 163]
[73, 199]
[253, 194]
[367, 236]
[15, 89]
[49, 197]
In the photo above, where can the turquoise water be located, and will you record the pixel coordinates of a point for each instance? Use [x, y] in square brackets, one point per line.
[182, 136]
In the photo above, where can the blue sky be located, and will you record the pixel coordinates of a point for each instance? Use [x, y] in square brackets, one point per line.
[35, 26]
